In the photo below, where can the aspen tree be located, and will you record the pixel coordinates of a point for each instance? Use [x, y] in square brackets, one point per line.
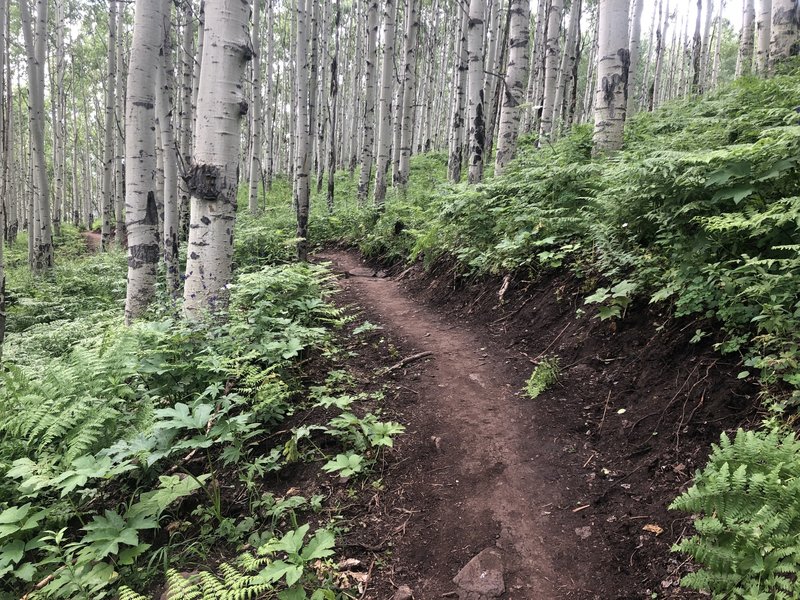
[515, 84]
[783, 32]
[107, 210]
[706, 47]
[661, 34]
[635, 44]
[536, 69]
[58, 106]
[213, 177]
[40, 226]
[119, 130]
[699, 48]
[302, 161]
[568, 59]
[457, 127]
[612, 76]
[271, 90]
[368, 130]
[356, 90]
[165, 84]
[717, 46]
[256, 113]
[187, 110]
[476, 119]
[5, 158]
[141, 212]
[332, 134]
[763, 32]
[409, 92]
[385, 105]
[744, 60]
[551, 68]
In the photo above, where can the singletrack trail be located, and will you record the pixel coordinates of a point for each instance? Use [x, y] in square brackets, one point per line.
[483, 480]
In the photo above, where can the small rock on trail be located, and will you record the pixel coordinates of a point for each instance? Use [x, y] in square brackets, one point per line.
[482, 577]
[403, 593]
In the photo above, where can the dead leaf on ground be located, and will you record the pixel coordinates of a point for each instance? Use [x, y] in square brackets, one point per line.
[653, 528]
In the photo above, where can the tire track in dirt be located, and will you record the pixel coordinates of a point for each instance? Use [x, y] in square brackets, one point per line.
[479, 485]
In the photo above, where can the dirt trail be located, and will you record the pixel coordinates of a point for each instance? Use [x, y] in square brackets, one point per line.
[481, 481]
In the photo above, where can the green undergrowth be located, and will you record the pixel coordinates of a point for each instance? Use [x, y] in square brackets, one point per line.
[134, 455]
[699, 214]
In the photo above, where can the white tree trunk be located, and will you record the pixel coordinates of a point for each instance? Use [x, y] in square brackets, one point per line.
[763, 31]
[368, 131]
[612, 76]
[39, 228]
[302, 164]
[744, 61]
[477, 124]
[568, 59]
[141, 212]
[385, 105]
[409, 91]
[457, 124]
[717, 47]
[213, 179]
[515, 84]
[551, 68]
[107, 210]
[635, 44]
[5, 159]
[119, 127]
[256, 113]
[165, 86]
[784, 32]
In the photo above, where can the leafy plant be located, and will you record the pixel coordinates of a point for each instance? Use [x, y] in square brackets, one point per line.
[543, 377]
[748, 537]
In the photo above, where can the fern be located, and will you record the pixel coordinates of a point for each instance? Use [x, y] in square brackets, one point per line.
[749, 537]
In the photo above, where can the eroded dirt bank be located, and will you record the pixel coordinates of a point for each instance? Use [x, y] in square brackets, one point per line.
[570, 488]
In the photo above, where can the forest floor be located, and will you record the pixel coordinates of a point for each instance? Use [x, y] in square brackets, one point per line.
[567, 493]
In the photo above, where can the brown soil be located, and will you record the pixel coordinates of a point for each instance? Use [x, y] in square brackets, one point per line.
[93, 241]
[564, 485]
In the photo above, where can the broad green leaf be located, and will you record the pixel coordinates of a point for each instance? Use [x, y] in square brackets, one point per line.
[320, 546]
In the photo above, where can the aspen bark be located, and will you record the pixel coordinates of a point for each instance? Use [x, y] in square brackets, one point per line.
[302, 165]
[120, 237]
[661, 35]
[612, 76]
[256, 113]
[186, 113]
[717, 47]
[165, 85]
[409, 92]
[551, 68]
[108, 145]
[332, 134]
[699, 48]
[213, 178]
[783, 32]
[477, 123]
[568, 60]
[40, 227]
[141, 212]
[385, 105]
[744, 60]
[515, 84]
[368, 131]
[635, 44]
[5, 158]
[456, 158]
[763, 32]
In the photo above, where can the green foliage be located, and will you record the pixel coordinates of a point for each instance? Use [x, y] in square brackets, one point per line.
[748, 537]
[543, 377]
[105, 440]
[700, 212]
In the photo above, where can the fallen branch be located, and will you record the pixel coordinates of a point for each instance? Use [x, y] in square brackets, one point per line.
[406, 361]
